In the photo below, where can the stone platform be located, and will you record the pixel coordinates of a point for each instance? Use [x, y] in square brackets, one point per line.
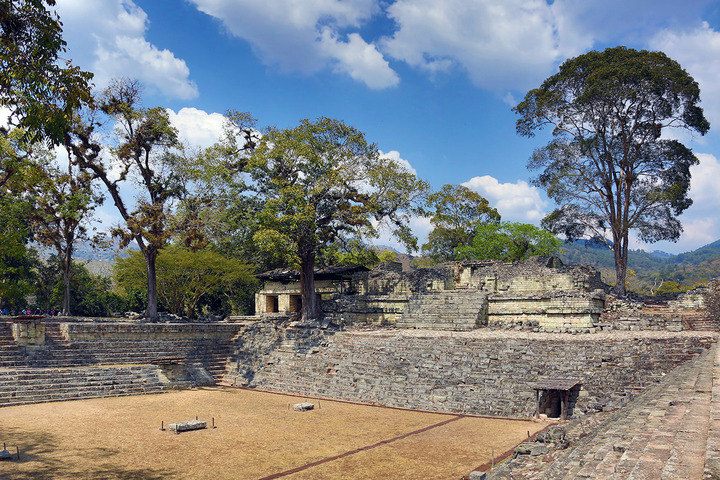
[670, 431]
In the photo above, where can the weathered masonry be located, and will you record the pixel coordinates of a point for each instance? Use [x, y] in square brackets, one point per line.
[539, 293]
[492, 372]
[281, 291]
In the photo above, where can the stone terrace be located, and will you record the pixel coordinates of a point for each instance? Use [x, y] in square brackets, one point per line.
[78, 359]
[481, 371]
[670, 431]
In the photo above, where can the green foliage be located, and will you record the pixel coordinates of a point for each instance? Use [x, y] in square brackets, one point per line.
[509, 241]
[322, 183]
[90, 295]
[457, 213]
[353, 252]
[607, 166]
[41, 90]
[16, 260]
[387, 256]
[190, 280]
[669, 287]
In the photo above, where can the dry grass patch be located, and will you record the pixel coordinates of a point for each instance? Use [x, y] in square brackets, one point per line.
[257, 436]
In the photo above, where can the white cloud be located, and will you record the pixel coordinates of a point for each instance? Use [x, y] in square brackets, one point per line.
[197, 128]
[107, 37]
[517, 201]
[358, 59]
[307, 36]
[502, 44]
[698, 51]
[395, 156]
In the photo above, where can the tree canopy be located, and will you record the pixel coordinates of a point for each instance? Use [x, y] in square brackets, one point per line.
[189, 280]
[322, 182]
[147, 153]
[41, 91]
[608, 167]
[457, 211]
[508, 241]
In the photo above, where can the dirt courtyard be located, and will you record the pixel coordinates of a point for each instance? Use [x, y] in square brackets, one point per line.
[257, 437]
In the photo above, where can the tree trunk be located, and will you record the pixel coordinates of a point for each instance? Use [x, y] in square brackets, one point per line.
[66, 263]
[310, 306]
[151, 312]
[620, 251]
[66, 284]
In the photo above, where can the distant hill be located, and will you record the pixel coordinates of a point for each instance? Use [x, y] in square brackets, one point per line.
[686, 269]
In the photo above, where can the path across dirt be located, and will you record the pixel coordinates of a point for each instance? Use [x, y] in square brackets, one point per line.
[258, 436]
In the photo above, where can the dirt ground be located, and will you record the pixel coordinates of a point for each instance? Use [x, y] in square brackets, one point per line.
[257, 436]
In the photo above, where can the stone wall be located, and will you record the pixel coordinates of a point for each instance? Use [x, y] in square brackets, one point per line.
[548, 311]
[539, 293]
[481, 372]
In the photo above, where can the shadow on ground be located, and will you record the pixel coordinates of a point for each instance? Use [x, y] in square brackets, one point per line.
[37, 463]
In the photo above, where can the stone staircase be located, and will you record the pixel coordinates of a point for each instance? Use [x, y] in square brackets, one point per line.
[59, 352]
[108, 360]
[664, 433]
[35, 385]
[461, 309]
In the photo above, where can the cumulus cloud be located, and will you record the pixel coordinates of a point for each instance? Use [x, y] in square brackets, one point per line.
[307, 36]
[395, 156]
[197, 128]
[517, 201]
[698, 51]
[502, 44]
[107, 37]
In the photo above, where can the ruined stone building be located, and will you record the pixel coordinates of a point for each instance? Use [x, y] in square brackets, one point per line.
[539, 293]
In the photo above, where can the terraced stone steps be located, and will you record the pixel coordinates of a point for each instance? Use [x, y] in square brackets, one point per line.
[662, 434]
[36, 385]
[445, 310]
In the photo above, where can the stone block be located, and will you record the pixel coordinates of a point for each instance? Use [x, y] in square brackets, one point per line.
[187, 426]
[303, 407]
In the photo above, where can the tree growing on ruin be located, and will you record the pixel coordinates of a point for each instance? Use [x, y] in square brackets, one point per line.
[322, 181]
[608, 166]
[457, 212]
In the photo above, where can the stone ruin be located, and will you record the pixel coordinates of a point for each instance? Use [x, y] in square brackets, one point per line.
[540, 294]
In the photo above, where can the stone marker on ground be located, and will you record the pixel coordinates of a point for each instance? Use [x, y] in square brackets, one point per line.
[303, 407]
[186, 426]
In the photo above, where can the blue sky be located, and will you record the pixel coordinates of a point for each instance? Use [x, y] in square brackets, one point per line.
[431, 82]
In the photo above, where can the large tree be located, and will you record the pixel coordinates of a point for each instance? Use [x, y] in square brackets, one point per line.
[145, 156]
[62, 204]
[456, 212]
[608, 167]
[322, 181]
